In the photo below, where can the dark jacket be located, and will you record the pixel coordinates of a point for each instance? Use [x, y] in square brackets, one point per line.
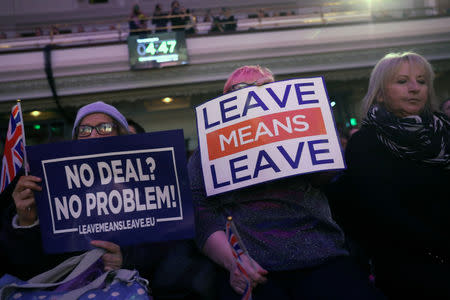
[396, 208]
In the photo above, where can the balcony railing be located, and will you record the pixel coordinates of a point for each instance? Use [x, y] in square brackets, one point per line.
[117, 30]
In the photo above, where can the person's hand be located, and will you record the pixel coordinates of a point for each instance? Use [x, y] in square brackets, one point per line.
[24, 201]
[256, 274]
[113, 258]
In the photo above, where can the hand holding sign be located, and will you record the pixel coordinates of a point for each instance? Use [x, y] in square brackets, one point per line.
[24, 200]
[113, 259]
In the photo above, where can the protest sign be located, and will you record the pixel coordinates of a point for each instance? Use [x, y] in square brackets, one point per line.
[128, 190]
[263, 133]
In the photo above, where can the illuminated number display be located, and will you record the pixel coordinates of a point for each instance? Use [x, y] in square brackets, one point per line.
[145, 47]
[157, 50]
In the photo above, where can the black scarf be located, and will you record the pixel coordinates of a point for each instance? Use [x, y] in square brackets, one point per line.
[423, 138]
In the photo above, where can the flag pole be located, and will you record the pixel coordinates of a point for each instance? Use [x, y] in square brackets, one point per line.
[25, 160]
[248, 290]
[230, 219]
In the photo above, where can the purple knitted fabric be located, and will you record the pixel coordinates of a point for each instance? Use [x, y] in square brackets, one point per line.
[285, 224]
[100, 107]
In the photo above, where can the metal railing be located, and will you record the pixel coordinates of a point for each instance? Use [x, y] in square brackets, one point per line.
[117, 30]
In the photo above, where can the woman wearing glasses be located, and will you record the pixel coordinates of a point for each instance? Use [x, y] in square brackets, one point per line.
[95, 120]
[21, 238]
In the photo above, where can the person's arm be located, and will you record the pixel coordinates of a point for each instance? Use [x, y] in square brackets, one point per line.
[210, 235]
[218, 249]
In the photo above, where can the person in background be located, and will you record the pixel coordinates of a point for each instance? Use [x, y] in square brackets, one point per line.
[54, 30]
[38, 31]
[80, 28]
[352, 131]
[134, 127]
[296, 250]
[445, 107]
[208, 16]
[224, 22]
[137, 21]
[216, 26]
[262, 14]
[227, 21]
[392, 198]
[191, 22]
[179, 18]
[160, 19]
[343, 135]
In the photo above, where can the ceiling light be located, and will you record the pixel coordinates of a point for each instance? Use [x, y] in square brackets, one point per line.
[167, 100]
[35, 113]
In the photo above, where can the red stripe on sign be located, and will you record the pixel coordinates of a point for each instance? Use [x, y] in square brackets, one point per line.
[265, 130]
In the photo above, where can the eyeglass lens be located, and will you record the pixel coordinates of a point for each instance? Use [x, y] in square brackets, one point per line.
[240, 85]
[102, 129]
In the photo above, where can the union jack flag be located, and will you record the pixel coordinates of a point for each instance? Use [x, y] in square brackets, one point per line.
[14, 151]
[238, 248]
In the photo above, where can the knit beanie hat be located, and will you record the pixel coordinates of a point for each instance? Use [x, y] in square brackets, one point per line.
[100, 107]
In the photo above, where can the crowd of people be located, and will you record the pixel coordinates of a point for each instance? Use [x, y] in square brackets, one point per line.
[377, 230]
[179, 18]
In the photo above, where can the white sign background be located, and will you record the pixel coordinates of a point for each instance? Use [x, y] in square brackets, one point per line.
[238, 157]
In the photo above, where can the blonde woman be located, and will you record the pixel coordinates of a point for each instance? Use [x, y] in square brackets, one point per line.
[398, 172]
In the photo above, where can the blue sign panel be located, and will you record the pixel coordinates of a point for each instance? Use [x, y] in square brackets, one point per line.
[127, 189]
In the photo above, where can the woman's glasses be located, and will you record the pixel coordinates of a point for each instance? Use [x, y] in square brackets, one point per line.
[241, 85]
[102, 129]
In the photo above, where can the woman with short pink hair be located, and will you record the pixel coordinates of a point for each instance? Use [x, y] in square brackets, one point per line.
[296, 250]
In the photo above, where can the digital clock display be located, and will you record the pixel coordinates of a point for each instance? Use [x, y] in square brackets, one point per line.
[157, 50]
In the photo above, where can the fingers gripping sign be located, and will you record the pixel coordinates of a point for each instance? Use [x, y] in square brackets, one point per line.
[24, 200]
[113, 258]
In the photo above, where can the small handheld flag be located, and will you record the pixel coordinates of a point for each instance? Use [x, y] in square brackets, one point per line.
[14, 154]
[238, 249]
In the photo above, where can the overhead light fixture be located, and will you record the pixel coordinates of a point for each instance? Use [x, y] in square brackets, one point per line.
[35, 113]
[167, 100]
